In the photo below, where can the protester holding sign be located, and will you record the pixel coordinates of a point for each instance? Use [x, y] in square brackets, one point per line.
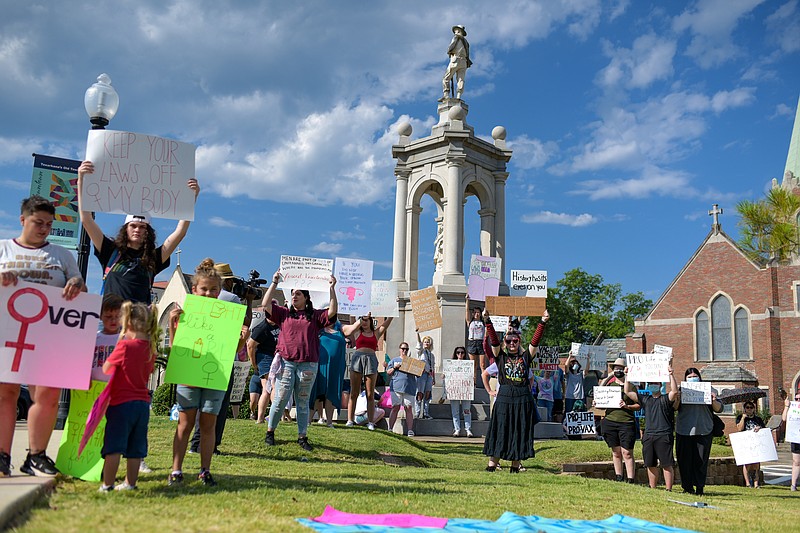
[619, 425]
[693, 438]
[795, 446]
[364, 364]
[574, 389]
[750, 421]
[298, 345]
[476, 331]
[425, 382]
[403, 387]
[131, 260]
[128, 414]
[31, 258]
[510, 433]
[459, 407]
[545, 385]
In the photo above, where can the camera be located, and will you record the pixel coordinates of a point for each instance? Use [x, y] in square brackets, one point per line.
[249, 288]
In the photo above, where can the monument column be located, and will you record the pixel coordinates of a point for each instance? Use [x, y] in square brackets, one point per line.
[453, 215]
[400, 225]
[487, 232]
[500, 222]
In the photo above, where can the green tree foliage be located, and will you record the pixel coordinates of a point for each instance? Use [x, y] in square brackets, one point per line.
[769, 226]
[582, 306]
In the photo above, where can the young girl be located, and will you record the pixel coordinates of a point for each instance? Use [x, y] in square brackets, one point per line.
[128, 414]
[205, 282]
[364, 364]
[461, 406]
[425, 383]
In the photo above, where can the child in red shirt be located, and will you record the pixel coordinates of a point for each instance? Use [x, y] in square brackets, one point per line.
[128, 414]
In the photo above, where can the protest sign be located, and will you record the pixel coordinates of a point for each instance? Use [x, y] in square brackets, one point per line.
[412, 366]
[580, 423]
[597, 357]
[500, 323]
[546, 358]
[753, 447]
[530, 283]
[241, 371]
[138, 174]
[484, 276]
[425, 307]
[581, 354]
[658, 348]
[607, 397]
[353, 285]
[56, 179]
[515, 305]
[459, 379]
[652, 367]
[383, 301]
[97, 414]
[204, 345]
[696, 393]
[45, 339]
[793, 423]
[307, 273]
[89, 466]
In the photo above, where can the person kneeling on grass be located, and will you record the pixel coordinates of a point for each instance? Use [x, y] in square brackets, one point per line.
[750, 421]
[658, 439]
[128, 414]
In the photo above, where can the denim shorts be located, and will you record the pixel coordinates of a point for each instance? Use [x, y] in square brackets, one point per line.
[255, 385]
[206, 400]
[126, 429]
[263, 366]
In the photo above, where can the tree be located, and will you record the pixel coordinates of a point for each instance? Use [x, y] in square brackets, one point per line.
[769, 226]
[581, 306]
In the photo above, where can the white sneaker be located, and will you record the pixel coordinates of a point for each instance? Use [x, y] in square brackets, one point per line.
[143, 468]
[105, 489]
[349, 424]
[457, 433]
[125, 486]
[322, 422]
[371, 426]
[410, 433]
[469, 434]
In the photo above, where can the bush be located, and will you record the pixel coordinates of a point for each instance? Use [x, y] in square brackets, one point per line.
[163, 399]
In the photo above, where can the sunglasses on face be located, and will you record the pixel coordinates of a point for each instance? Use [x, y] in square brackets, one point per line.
[404, 349]
[512, 341]
[461, 352]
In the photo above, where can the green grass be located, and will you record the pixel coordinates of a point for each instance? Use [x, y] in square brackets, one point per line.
[264, 489]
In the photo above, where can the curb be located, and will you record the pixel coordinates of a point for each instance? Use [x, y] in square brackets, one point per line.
[18, 494]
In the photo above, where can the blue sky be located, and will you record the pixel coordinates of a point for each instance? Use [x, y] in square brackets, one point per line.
[628, 120]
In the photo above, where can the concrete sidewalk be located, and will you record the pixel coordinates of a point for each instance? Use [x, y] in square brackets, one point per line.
[20, 492]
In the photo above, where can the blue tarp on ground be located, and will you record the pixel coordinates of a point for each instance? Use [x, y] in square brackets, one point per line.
[510, 522]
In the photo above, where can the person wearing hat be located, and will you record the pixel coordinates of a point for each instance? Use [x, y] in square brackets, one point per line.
[619, 425]
[131, 260]
[459, 62]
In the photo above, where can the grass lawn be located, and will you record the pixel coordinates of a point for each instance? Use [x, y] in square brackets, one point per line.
[264, 489]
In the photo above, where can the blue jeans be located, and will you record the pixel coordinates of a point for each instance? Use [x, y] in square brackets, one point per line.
[457, 407]
[297, 378]
[547, 404]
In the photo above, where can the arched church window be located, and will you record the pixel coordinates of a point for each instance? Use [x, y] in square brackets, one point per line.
[721, 329]
[741, 322]
[702, 337]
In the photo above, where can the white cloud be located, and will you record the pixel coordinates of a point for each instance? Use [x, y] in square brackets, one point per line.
[653, 182]
[783, 27]
[563, 219]
[328, 248]
[649, 60]
[344, 236]
[221, 222]
[783, 110]
[531, 153]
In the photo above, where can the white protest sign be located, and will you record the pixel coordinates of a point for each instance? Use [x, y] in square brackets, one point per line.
[529, 283]
[353, 285]
[597, 357]
[753, 447]
[240, 371]
[580, 423]
[136, 174]
[484, 277]
[652, 367]
[500, 323]
[658, 348]
[607, 397]
[383, 299]
[308, 273]
[581, 353]
[546, 358]
[793, 423]
[696, 393]
[459, 379]
[45, 339]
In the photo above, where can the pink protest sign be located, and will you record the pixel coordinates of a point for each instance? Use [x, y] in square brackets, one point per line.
[44, 339]
[96, 415]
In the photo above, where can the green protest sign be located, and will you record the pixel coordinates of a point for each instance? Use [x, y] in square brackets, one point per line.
[89, 467]
[204, 345]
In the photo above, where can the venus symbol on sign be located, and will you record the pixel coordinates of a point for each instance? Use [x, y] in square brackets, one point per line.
[24, 322]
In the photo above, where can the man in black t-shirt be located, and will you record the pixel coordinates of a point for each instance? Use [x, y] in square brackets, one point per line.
[261, 351]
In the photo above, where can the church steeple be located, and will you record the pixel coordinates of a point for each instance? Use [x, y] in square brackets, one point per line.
[793, 157]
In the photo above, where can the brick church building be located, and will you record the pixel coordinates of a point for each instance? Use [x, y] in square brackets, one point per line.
[736, 320]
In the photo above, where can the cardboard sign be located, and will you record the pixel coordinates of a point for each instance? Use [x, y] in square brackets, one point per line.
[793, 423]
[44, 339]
[383, 301]
[204, 345]
[459, 379]
[353, 285]
[425, 307]
[529, 283]
[56, 179]
[241, 370]
[546, 358]
[696, 393]
[515, 306]
[89, 467]
[500, 323]
[308, 273]
[651, 367]
[484, 276]
[412, 366]
[136, 174]
[580, 423]
[607, 397]
[753, 447]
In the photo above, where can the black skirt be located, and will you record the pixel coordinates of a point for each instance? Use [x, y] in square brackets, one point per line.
[510, 434]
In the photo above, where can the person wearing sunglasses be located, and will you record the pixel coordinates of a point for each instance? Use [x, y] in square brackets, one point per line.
[795, 445]
[510, 433]
[750, 421]
[459, 407]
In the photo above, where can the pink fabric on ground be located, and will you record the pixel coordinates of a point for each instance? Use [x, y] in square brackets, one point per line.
[332, 516]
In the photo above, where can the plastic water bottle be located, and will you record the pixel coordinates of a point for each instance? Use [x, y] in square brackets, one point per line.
[173, 413]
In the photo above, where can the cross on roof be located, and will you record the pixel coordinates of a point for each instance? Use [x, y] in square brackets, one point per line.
[178, 255]
[715, 212]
